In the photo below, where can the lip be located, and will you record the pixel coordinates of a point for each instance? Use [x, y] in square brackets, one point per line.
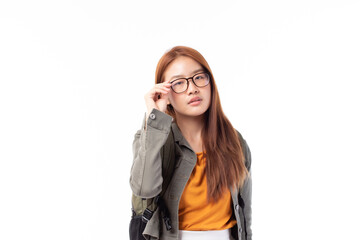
[194, 99]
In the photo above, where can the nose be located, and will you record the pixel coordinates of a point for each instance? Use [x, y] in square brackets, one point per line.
[192, 88]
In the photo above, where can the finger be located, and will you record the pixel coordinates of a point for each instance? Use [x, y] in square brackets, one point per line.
[162, 92]
[164, 84]
[167, 86]
[162, 89]
[167, 81]
[162, 97]
[155, 90]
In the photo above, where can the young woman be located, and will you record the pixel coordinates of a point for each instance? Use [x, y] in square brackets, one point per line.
[209, 193]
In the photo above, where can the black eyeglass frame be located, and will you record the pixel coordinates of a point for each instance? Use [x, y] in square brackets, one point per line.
[187, 81]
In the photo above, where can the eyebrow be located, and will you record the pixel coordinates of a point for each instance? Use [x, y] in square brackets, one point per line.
[182, 76]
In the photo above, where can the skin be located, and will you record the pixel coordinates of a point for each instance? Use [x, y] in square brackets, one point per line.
[190, 119]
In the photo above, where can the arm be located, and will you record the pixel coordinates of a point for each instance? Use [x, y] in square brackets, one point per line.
[146, 171]
[246, 192]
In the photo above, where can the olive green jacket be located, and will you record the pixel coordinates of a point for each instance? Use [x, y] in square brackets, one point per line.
[146, 176]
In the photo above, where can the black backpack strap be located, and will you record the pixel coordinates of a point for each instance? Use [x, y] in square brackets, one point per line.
[168, 170]
[149, 210]
[168, 161]
[168, 165]
[165, 212]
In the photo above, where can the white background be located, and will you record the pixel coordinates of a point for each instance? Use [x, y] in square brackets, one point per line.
[73, 75]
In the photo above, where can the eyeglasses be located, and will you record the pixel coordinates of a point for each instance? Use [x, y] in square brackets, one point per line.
[181, 84]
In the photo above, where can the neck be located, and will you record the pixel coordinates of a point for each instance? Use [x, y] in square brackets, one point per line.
[191, 127]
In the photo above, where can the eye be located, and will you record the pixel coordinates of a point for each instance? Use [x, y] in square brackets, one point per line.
[178, 83]
[201, 76]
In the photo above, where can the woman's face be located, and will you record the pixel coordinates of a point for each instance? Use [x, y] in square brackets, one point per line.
[195, 100]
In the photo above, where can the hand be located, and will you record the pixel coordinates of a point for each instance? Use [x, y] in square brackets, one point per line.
[157, 97]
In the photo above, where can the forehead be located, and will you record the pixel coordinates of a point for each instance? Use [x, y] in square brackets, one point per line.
[181, 67]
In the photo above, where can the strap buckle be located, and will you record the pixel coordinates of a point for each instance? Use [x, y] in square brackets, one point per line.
[167, 222]
[147, 215]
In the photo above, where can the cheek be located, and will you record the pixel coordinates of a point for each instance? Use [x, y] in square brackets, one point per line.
[177, 100]
[209, 94]
[172, 98]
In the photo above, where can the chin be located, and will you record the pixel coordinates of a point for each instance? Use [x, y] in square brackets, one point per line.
[192, 112]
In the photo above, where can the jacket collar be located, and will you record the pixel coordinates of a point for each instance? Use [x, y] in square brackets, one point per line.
[178, 137]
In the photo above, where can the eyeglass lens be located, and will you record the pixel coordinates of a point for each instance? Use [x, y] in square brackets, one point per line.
[181, 84]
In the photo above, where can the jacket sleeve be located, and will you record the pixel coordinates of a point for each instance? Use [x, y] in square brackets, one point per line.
[146, 171]
[246, 192]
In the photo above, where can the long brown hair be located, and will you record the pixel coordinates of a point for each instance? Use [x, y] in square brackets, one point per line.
[225, 166]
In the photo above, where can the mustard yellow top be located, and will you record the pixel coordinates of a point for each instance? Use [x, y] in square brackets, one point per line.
[195, 213]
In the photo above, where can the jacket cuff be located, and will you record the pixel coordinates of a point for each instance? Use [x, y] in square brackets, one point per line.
[158, 120]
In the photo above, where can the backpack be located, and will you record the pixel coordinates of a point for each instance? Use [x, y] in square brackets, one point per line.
[142, 208]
